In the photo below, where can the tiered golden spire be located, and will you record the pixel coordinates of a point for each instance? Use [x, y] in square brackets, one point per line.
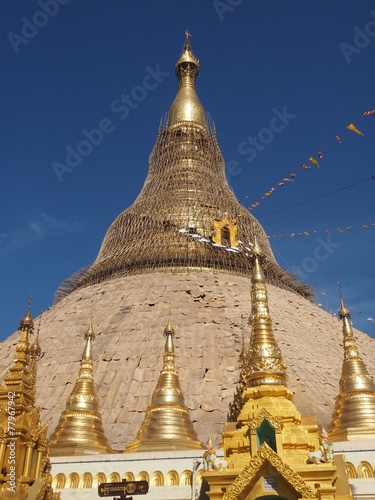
[167, 424]
[269, 427]
[354, 413]
[19, 379]
[24, 448]
[265, 364]
[80, 428]
[187, 106]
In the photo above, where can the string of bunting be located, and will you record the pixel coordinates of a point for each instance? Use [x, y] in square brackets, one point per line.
[358, 312]
[242, 247]
[306, 166]
[308, 233]
[246, 249]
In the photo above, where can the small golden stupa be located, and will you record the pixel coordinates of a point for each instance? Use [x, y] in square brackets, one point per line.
[80, 429]
[24, 449]
[267, 448]
[354, 414]
[167, 425]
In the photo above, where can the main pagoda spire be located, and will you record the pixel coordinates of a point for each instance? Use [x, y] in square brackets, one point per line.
[185, 207]
[354, 414]
[80, 428]
[167, 424]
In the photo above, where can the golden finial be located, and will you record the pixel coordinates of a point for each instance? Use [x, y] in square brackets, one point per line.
[27, 321]
[343, 312]
[186, 106]
[187, 34]
[256, 248]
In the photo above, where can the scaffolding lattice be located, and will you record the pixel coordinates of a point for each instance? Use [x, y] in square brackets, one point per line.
[185, 188]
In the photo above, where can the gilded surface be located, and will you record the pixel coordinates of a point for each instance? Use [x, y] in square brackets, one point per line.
[26, 472]
[167, 424]
[186, 189]
[80, 428]
[275, 422]
[264, 363]
[265, 453]
[354, 413]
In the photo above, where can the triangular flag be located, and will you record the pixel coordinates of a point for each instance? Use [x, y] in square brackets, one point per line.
[341, 231]
[320, 154]
[352, 127]
[314, 161]
[366, 113]
[306, 233]
[338, 138]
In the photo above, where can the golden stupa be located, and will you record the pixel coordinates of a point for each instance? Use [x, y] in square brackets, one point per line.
[80, 429]
[354, 414]
[167, 425]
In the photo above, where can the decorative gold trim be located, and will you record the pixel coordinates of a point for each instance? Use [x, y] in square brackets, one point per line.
[275, 422]
[265, 453]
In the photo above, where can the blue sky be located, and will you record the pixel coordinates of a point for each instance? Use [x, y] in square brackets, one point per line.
[64, 69]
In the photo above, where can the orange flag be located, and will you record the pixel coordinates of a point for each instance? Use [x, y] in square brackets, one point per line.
[314, 161]
[352, 127]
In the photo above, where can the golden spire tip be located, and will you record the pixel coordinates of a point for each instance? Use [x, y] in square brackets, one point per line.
[343, 312]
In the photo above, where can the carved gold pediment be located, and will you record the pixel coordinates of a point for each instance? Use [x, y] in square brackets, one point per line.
[275, 422]
[266, 454]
